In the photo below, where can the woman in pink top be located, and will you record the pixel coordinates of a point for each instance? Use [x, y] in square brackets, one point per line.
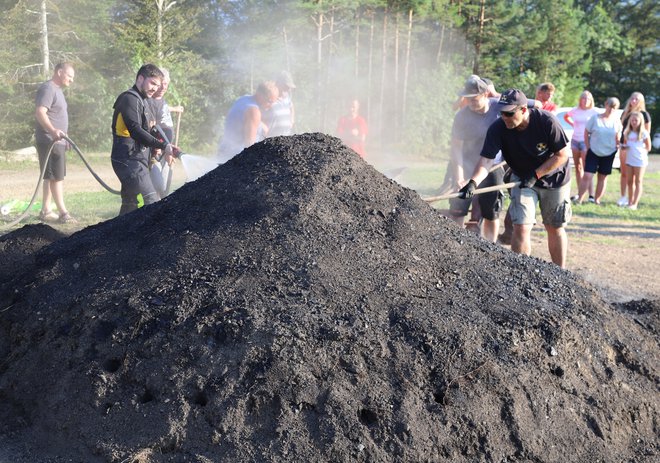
[578, 118]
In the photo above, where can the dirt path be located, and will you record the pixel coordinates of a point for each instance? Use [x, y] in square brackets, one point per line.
[620, 258]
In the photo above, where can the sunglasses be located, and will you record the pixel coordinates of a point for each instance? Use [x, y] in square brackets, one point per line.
[508, 113]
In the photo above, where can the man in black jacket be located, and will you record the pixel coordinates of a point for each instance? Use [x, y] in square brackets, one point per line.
[131, 139]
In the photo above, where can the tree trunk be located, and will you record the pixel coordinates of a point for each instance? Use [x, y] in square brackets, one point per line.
[383, 79]
[480, 35]
[442, 39]
[160, 6]
[357, 46]
[396, 77]
[319, 61]
[330, 53]
[45, 53]
[407, 66]
[370, 65]
[286, 49]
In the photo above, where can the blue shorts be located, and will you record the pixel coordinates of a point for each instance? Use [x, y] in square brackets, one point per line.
[600, 164]
[578, 145]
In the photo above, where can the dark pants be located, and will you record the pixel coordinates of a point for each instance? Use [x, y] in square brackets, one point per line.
[135, 179]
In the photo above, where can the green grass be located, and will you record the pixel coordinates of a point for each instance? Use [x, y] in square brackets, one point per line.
[423, 177]
[93, 207]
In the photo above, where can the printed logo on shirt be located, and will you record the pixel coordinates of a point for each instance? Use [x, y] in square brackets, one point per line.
[541, 147]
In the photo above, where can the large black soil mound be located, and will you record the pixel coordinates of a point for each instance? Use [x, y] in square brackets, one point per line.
[18, 248]
[295, 305]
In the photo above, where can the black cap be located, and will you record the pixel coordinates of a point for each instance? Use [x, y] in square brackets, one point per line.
[511, 99]
[474, 86]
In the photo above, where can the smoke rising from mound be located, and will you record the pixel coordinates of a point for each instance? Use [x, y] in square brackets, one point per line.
[296, 305]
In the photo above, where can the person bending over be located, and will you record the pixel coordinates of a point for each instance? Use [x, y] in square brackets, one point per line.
[535, 147]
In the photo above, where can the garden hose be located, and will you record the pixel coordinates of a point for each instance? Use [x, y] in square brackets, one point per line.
[98, 179]
[26, 212]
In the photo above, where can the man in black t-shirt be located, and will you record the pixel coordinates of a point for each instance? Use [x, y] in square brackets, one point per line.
[536, 149]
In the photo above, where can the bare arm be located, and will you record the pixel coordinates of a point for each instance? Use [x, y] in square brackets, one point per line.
[481, 169]
[587, 142]
[647, 143]
[251, 125]
[457, 161]
[554, 162]
[41, 114]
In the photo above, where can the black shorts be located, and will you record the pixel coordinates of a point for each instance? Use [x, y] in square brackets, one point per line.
[490, 203]
[56, 168]
[600, 164]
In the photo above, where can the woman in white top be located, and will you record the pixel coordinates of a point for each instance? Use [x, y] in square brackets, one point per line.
[636, 143]
[634, 103]
[601, 136]
[578, 117]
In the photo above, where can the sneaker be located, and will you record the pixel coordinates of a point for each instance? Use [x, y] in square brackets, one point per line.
[633, 207]
[67, 218]
[49, 216]
[592, 199]
[575, 198]
[622, 202]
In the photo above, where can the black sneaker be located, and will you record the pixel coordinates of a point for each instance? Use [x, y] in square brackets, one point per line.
[592, 199]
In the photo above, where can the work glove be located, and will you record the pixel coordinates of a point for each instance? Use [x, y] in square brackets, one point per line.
[467, 191]
[528, 182]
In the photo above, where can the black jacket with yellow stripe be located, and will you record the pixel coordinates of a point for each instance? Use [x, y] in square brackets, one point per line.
[130, 128]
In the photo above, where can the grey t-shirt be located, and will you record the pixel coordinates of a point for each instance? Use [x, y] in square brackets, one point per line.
[471, 128]
[51, 97]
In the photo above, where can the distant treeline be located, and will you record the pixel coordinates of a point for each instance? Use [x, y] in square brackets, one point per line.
[404, 60]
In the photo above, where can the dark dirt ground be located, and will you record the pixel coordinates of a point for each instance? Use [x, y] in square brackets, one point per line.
[321, 312]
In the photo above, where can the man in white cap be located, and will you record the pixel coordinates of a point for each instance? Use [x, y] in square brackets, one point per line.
[468, 133]
[535, 147]
[280, 117]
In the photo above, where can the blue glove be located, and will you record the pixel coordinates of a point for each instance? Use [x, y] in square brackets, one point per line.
[467, 192]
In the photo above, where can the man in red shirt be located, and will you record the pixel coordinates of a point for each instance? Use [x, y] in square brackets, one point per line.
[544, 93]
[352, 129]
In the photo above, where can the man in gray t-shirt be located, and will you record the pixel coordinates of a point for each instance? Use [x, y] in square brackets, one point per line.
[52, 123]
[467, 138]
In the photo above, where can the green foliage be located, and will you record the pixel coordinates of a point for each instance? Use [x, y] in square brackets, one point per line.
[217, 51]
[427, 129]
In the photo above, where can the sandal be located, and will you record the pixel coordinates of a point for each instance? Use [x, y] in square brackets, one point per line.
[67, 218]
[49, 216]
